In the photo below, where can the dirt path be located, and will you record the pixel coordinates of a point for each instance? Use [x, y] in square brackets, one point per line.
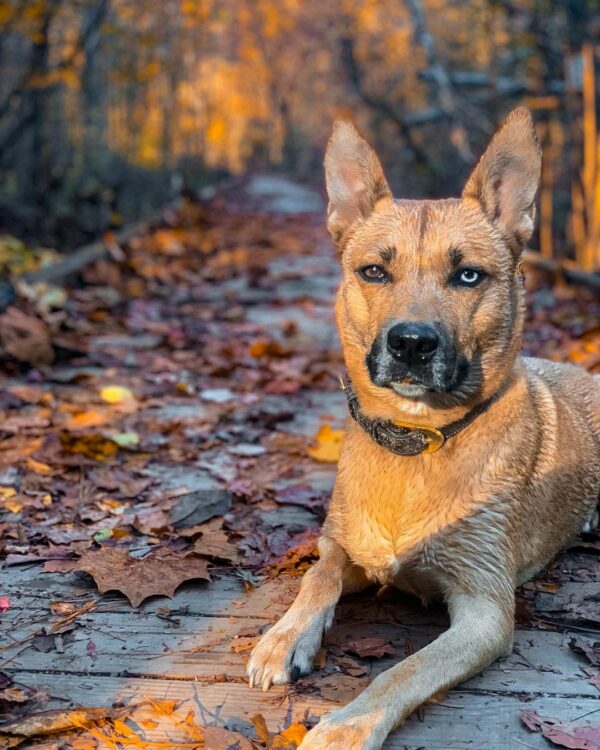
[191, 420]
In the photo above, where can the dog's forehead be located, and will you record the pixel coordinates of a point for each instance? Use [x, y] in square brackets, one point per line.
[425, 227]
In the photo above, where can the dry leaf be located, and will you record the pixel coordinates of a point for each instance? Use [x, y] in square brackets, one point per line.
[51, 722]
[243, 645]
[83, 419]
[25, 337]
[563, 733]
[214, 542]
[261, 728]
[302, 551]
[370, 648]
[290, 738]
[156, 575]
[328, 445]
[95, 447]
[31, 394]
[339, 688]
[38, 467]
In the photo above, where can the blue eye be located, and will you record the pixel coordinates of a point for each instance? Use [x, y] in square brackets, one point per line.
[468, 277]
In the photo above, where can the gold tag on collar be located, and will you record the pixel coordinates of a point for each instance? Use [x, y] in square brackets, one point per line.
[434, 437]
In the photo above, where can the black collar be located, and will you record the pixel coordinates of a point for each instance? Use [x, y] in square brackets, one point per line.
[409, 440]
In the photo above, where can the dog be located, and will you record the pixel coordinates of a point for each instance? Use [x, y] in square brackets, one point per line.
[465, 467]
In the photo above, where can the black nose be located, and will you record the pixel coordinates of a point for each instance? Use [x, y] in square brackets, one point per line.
[413, 343]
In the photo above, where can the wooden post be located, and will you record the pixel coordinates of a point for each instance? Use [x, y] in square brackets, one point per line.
[589, 251]
[552, 138]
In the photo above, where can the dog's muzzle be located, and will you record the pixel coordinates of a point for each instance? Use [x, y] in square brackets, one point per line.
[414, 357]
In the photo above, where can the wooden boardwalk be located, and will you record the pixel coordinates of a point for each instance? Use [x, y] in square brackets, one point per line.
[197, 654]
[193, 649]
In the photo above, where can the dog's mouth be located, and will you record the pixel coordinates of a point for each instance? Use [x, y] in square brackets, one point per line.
[410, 390]
[428, 369]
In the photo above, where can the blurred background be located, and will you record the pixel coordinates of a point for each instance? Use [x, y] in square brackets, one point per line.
[109, 108]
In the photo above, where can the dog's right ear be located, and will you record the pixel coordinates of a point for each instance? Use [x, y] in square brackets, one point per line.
[354, 178]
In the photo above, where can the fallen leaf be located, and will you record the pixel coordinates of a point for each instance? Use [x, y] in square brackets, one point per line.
[265, 348]
[563, 733]
[38, 467]
[328, 445]
[260, 725]
[370, 648]
[126, 439]
[197, 507]
[95, 447]
[83, 419]
[30, 394]
[243, 645]
[339, 688]
[588, 647]
[25, 337]
[116, 394]
[51, 722]
[290, 738]
[302, 550]
[216, 544]
[6, 493]
[155, 575]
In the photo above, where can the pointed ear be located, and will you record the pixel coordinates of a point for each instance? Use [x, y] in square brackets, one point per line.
[354, 178]
[506, 179]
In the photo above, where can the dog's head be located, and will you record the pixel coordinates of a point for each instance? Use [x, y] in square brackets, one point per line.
[430, 303]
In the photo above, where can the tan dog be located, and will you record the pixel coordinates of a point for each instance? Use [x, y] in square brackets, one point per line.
[499, 455]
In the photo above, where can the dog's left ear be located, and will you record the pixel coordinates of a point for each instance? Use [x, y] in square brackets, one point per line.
[354, 177]
[506, 179]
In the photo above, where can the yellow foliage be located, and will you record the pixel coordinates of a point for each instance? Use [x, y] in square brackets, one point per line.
[328, 445]
[216, 131]
[68, 75]
[116, 394]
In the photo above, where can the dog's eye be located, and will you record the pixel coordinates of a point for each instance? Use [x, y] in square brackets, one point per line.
[373, 273]
[468, 277]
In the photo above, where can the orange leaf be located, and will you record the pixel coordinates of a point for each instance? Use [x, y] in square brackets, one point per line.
[91, 418]
[290, 738]
[38, 466]
[261, 728]
[329, 445]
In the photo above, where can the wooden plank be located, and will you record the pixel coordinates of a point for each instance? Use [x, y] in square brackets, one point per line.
[203, 648]
[463, 721]
[31, 593]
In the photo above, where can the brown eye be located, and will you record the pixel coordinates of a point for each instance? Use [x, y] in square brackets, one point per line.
[374, 273]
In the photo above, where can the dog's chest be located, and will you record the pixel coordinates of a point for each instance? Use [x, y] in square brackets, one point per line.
[391, 508]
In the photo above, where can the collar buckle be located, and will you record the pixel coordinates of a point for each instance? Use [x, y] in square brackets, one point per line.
[433, 437]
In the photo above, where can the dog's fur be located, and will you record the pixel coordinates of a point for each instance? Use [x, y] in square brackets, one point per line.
[489, 509]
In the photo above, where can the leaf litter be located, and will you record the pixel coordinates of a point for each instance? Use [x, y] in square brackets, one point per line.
[181, 417]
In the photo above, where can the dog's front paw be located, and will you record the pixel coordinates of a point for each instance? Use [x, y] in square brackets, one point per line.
[284, 653]
[353, 735]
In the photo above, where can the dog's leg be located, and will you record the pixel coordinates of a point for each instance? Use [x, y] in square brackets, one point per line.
[480, 632]
[287, 650]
